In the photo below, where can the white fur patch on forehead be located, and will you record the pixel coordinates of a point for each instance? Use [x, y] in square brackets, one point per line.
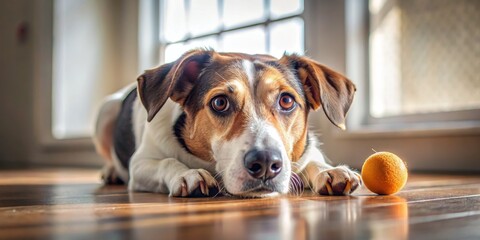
[250, 71]
[266, 136]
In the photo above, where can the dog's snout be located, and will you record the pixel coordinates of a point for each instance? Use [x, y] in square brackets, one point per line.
[263, 164]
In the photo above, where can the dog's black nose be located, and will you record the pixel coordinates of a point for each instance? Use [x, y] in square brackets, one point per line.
[263, 164]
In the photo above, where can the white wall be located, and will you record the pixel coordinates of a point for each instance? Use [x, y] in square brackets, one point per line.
[16, 113]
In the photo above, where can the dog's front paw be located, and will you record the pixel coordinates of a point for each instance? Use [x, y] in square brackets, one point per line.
[336, 181]
[194, 183]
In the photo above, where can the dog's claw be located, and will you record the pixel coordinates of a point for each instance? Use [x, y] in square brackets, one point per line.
[184, 190]
[329, 189]
[203, 189]
[348, 188]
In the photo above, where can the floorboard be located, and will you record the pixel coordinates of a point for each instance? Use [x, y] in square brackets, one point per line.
[73, 204]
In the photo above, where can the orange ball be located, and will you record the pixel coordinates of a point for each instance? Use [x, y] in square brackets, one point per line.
[384, 173]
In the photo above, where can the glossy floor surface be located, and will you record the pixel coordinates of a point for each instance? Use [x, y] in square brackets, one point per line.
[72, 204]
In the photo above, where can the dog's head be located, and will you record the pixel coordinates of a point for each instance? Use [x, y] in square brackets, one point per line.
[247, 113]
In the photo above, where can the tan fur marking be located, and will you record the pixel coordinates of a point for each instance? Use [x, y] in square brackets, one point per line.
[228, 128]
[199, 143]
[237, 127]
[292, 128]
[299, 146]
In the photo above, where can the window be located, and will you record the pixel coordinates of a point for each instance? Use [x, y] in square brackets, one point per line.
[250, 26]
[87, 62]
[412, 62]
[71, 110]
[424, 57]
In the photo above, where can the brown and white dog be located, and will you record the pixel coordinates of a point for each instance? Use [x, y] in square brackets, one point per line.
[224, 121]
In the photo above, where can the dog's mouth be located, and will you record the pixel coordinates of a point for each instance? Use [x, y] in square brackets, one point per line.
[260, 190]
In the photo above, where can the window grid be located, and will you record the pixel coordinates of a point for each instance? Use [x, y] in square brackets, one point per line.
[268, 20]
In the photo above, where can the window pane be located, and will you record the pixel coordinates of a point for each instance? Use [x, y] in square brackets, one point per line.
[282, 8]
[206, 42]
[385, 76]
[237, 12]
[174, 51]
[203, 17]
[81, 75]
[250, 40]
[424, 56]
[287, 36]
[174, 20]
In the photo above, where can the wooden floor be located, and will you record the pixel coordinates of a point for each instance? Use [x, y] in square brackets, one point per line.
[72, 204]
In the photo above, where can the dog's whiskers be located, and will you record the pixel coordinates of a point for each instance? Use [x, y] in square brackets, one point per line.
[302, 176]
[296, 186]
[221, 188]
[218, 74]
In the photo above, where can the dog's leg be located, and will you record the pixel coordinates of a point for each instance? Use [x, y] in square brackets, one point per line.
[326, 179]
[103, 138]
[170, 176]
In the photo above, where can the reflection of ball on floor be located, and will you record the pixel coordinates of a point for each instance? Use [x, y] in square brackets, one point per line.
[384, 173]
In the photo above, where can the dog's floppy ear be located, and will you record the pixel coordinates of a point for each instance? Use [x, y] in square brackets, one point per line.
[174, 80]
[323, 87]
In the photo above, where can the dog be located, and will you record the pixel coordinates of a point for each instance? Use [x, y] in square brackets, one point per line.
[229, 122]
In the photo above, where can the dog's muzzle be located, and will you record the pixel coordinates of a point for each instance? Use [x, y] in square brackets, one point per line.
[263, 164]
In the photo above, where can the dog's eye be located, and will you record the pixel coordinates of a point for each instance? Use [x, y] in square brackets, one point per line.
[286, 102]
[220, 103]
